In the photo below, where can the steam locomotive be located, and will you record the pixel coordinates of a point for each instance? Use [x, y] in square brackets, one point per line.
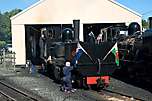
[96, 63]
[93, 66]
[136, 53]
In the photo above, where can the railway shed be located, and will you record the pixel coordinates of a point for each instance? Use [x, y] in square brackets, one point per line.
[61, 13]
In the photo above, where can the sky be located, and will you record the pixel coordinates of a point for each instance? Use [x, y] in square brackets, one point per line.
[143, 7]
[7, 5]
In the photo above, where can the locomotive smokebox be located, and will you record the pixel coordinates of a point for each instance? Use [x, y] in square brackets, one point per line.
[76, 26]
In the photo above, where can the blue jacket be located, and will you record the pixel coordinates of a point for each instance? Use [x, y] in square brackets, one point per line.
[67, 71]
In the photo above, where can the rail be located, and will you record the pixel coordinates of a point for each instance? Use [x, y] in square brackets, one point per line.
[13, 94]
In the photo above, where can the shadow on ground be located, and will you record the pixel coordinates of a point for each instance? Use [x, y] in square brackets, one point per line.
[140, 82]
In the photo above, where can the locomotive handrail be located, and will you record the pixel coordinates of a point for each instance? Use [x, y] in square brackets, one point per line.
[132, 36]
[122, 49]
[102, 63]
[133, 61]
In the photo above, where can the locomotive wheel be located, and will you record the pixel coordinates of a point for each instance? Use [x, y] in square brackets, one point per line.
[82, 84]
[49, 69]
[57, 72]
[85, 85]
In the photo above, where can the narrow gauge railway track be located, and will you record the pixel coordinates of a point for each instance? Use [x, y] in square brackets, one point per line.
[12, 94]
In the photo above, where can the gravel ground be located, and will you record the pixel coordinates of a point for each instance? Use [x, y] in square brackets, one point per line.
[46, 88]
[43, 86]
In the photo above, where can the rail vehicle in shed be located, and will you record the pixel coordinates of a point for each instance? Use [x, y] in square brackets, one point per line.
[57, 44]
[136, 53]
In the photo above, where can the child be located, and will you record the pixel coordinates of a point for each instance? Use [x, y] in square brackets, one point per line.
[67, 82]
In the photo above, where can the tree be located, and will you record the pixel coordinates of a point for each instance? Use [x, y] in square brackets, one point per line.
[12, 12]
[2, 44]
[145, 24]
[5, 24]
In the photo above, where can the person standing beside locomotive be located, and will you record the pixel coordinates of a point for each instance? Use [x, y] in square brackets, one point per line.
[67, 80]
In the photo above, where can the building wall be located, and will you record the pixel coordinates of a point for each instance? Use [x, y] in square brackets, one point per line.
[65, 11]
[18, 42]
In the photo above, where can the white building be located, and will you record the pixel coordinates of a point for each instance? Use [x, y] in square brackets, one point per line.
[64, 12]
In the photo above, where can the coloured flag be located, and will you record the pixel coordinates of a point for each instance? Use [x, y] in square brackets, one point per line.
[116, 54]
[114, 50]
[79, 51]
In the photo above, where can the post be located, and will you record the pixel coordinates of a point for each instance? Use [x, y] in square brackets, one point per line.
[4, 60]
[0, 57]
[14, 61]
[81, 35]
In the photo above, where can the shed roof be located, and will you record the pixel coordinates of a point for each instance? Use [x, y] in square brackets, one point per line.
[41, 1]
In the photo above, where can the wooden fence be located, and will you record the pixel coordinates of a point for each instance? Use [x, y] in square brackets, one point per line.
[7, 59]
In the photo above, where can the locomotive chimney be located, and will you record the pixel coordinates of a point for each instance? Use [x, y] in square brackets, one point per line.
[150, 22]
[76, 26]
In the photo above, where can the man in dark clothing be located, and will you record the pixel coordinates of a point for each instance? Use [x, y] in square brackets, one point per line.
[67, 82]
[91, 38]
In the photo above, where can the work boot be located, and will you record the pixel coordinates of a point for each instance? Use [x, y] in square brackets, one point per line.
[73, 90]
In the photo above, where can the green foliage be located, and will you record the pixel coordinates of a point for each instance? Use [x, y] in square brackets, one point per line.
[12, 12]
[2, 44]
[145, 24]
[5, 24]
